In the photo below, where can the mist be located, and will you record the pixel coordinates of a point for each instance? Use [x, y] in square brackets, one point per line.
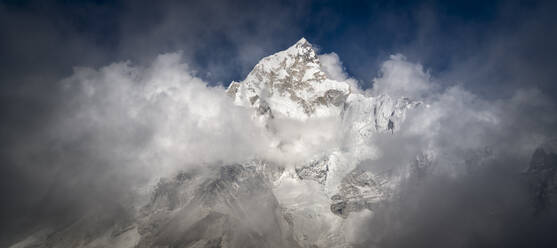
[101, 101]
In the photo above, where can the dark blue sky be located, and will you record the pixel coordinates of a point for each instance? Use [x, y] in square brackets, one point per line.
[223, 40]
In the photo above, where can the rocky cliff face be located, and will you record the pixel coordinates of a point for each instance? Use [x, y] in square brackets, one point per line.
[542, 175]
[228, 206]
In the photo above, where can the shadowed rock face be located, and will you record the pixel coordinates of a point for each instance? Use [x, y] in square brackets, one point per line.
[360, 190]
[233, 206]
[542, 175]
[316, 171]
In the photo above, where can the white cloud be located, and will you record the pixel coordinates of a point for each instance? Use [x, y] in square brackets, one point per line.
[161, 118]
[156, 119]
[453, 122]
[400, 78]
[333, 68]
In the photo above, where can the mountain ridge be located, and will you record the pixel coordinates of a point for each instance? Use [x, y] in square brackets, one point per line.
[264, 203]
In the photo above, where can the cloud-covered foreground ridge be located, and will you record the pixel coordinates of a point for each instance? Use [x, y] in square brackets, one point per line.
[297, 155]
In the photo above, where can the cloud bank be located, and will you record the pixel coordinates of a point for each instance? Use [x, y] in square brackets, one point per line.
[108, 129]
[465, 156]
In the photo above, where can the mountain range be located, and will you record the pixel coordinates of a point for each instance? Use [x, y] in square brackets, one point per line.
[316, 200]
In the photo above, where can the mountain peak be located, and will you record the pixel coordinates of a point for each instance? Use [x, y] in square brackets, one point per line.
[302, 49]
[291, 83]
[302, 41]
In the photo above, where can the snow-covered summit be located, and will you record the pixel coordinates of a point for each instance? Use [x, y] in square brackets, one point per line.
[291, 84]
